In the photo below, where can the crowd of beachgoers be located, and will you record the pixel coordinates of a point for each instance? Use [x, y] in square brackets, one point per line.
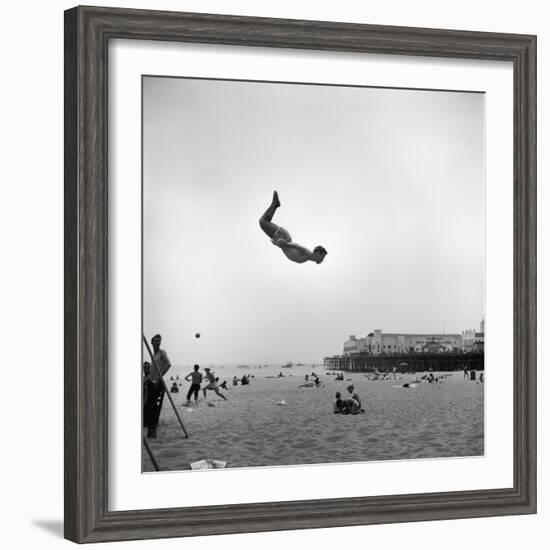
[267, 415]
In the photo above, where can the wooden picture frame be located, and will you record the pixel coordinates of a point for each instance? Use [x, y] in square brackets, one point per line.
[87, 34]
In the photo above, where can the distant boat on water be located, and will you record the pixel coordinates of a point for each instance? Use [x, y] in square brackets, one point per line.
[288, 365]
[243, 367]
[300, 364]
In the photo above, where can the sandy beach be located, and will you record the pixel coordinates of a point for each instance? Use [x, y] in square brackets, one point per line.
[251, 429]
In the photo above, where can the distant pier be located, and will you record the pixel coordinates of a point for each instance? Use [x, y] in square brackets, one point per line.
[417, 362]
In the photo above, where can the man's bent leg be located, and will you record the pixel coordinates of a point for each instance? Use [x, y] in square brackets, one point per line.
[221, 395]
[266, 224]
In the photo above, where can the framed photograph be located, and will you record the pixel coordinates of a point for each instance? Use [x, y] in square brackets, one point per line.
[300, 274]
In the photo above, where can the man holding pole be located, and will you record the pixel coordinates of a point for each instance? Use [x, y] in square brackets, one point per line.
[154, 387]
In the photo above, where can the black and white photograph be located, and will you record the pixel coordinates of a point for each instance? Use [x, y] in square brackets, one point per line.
[313, 269]
[274, 275]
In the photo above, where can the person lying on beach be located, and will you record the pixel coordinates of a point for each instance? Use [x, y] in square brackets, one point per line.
[281, 237]
[212, 384]
[309, 385]
[196, 379]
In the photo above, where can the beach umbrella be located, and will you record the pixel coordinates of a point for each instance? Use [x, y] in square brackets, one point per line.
[403, 364]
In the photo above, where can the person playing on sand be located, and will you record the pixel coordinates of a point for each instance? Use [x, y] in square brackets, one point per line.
[223, 385]
[212, 384]
[281, 237]
[196, 379]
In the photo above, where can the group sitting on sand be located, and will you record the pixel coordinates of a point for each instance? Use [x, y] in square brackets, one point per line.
[348, 406]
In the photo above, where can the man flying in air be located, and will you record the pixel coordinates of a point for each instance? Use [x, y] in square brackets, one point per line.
[281, 237]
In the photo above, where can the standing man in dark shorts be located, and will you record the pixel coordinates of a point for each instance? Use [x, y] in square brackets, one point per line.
[196, 379]
[154, 387]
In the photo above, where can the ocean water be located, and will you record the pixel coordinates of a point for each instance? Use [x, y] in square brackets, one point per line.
[227, 372]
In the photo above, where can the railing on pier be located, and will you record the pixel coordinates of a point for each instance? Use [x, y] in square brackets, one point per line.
[417, 362]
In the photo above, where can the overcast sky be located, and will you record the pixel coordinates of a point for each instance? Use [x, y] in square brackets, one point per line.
[390, 182]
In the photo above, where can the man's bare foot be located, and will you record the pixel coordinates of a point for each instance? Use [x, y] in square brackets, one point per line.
[276, 200]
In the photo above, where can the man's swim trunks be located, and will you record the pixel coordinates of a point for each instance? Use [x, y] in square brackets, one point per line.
[281, 234]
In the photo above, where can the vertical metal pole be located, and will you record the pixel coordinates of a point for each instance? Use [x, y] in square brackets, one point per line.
[151, 455]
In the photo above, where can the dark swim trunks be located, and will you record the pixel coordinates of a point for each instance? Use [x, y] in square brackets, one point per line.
[194, 389]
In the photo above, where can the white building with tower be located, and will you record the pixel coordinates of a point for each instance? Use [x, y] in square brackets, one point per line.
[385, 343]
[473, 340]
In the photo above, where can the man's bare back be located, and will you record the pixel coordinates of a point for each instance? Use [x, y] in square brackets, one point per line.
[281, 238]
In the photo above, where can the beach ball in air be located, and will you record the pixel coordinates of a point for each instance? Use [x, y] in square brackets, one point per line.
[197, 335]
